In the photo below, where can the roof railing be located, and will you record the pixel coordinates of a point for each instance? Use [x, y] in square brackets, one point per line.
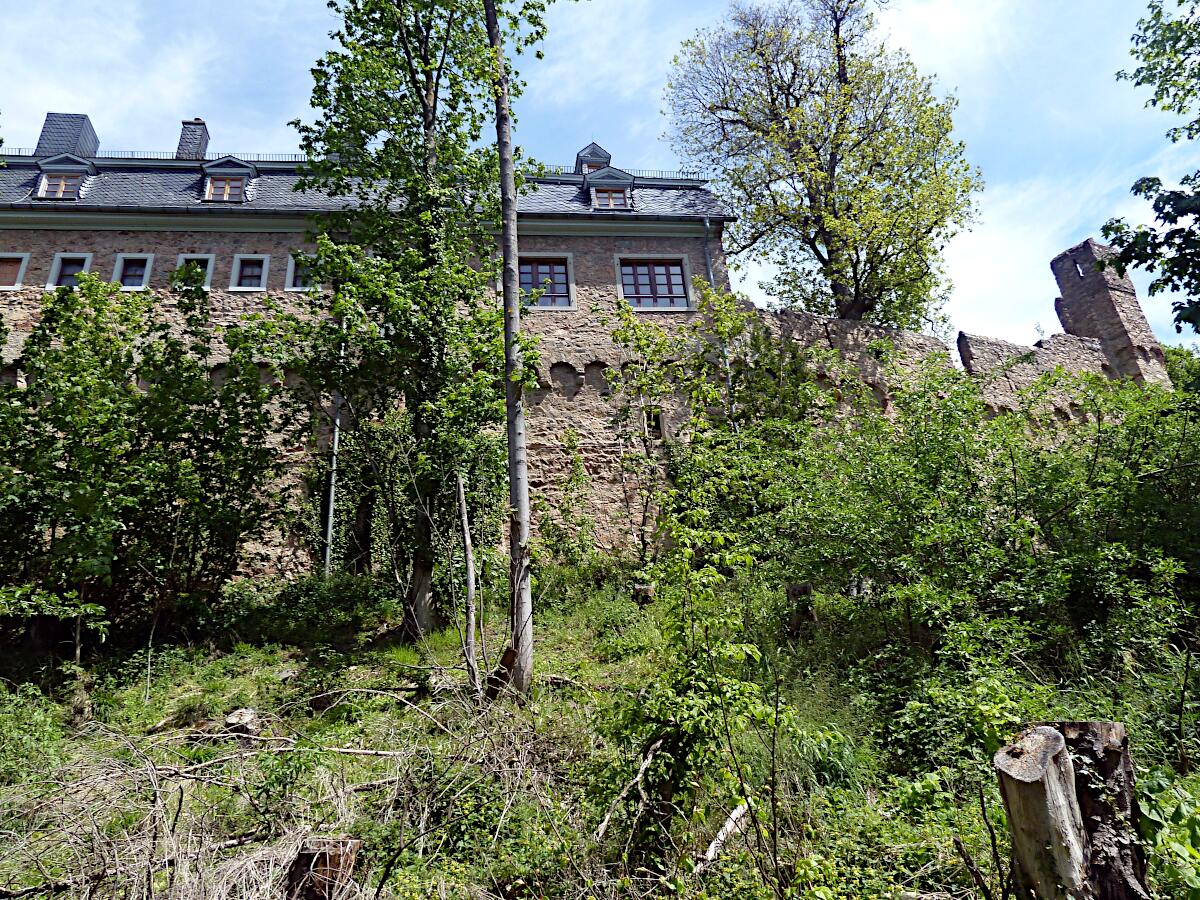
[663, 174]
[167, 154]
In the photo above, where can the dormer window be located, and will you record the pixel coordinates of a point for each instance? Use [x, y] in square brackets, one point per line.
[612, 198]
[589, 168]
[60, 186]
[226, 188]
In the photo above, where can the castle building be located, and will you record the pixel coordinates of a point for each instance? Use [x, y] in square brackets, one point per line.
[593, 234]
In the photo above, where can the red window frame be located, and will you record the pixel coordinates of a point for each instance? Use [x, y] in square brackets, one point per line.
[654, 283]
[550, 275]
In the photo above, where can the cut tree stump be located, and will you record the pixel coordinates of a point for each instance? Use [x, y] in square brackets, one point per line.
[1068, 791]
[1104, 786]
[323, 869]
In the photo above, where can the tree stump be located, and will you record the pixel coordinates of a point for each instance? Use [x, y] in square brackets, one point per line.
[1037, 784]
[1104, 786]
[323, 868]
[1068, 788]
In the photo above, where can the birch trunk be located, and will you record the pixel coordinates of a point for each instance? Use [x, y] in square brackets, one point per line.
[518, 479]
[469, 561]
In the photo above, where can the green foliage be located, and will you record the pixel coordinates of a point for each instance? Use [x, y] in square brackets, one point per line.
[137, 459]
[32, 732]
[1167, 48]
[1183, 365]
[835, 153]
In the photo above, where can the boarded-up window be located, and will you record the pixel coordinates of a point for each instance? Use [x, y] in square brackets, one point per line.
[10, 270]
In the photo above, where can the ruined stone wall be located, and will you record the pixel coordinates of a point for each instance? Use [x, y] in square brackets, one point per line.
[1106, 333]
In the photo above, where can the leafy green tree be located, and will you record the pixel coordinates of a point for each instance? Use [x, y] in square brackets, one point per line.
[137, 458]
[833, 150]
[401, 103]
[1167, 46]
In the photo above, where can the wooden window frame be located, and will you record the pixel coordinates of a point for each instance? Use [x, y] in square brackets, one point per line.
[209, 258]
[679, 259]
[74, 178]
[56, 267]
[210, 188]
[22, 268]
[555, 259]
[597, 192]
[119, 270]
[235, 274]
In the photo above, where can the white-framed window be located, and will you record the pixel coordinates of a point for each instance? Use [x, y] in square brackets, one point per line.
[655, 282]
[611, 198]
[298, 278]
[551, 273]
[206, 261]
[12, 270]
[60, 186]
[250, 272]
[132, 270]
[65, 267]
[226, 188]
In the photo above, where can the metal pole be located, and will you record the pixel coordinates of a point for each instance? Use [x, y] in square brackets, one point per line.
[331, 491]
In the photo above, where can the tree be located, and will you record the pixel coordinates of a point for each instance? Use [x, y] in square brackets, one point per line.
[521, 599]
[1168, 47]
[137, 455]
[402, 101]
[834, 152]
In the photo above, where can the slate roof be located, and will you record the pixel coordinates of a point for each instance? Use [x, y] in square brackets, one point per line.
[155, 187]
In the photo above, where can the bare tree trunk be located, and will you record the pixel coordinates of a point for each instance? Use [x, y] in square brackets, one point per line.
[420, 587]
[1073, 826]
[514, 365]
[469, 562]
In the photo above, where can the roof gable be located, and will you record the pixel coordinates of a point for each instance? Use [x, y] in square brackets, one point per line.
[66, 162]
[608, 176]
[230, 165]
[592, 153]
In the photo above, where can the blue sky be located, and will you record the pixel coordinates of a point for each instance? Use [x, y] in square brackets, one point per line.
[1057, 138]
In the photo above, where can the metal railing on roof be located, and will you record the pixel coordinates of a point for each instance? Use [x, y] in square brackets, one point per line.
[300, 157]
[636, 173]
[165, 154]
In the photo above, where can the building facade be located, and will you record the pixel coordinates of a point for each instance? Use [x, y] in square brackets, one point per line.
[592, 234]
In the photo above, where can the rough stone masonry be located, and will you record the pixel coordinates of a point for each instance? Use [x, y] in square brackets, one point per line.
[611, 235]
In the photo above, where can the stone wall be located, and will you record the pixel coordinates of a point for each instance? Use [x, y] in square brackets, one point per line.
[1106, 333]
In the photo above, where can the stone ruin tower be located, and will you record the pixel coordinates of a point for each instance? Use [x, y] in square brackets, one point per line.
[1098, 303]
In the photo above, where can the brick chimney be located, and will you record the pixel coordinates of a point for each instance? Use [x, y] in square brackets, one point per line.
[193, 140]
[1098, 303]
[67, 133]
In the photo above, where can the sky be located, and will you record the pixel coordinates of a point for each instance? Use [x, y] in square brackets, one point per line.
[1057, 138]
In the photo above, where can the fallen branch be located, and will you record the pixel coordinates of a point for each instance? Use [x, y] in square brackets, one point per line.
[969, 862]
[94, 878]
[732, 824]
[636, 782]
